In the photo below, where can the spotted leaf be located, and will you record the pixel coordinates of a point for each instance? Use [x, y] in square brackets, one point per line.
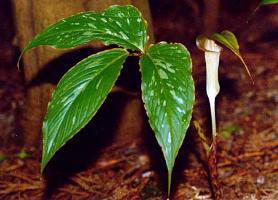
[77, 98]
[168, 95]
[120, 25]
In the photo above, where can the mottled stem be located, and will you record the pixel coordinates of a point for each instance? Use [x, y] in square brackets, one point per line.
[213, 171]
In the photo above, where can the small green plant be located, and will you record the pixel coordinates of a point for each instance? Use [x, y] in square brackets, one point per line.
[2, 157]
[167, 84]
[212, 53]
[23, 155]
[230, 130]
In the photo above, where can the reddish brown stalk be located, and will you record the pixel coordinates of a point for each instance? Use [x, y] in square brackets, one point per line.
[213, 171]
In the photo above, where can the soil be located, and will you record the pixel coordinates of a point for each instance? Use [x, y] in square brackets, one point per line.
[247, 124]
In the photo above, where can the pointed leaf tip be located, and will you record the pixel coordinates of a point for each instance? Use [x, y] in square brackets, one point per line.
[168, 95]
[120, 25]
[77, 97]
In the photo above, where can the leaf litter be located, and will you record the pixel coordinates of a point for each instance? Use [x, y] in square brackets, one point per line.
[247, 159]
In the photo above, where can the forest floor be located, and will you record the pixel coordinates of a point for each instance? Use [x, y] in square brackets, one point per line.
[247, 124]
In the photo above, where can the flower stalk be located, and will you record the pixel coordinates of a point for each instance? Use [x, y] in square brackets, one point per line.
[212, 55]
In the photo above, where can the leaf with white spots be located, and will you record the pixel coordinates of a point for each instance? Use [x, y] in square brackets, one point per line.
[168, 95]
[120, 25]
[78, 96]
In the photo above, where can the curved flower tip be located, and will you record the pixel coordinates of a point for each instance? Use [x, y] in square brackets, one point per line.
[210, 45]
[205, 44]
[212, 63]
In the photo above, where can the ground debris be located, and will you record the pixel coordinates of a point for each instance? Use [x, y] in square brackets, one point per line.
[247, 157]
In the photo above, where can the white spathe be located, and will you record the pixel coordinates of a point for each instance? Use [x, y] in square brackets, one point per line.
[212, 55]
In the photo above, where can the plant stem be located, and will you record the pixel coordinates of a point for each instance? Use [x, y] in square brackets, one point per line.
[169, 184]
[212, 63]
[135, 54]
[213, 118]
[213, 171]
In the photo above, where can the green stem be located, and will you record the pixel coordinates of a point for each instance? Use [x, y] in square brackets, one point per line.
[169, 184]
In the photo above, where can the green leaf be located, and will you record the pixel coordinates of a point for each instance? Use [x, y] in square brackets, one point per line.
[78, 96]
[2, 157]
[228, 39]
[230, 130]
[23, 154]
[168, 95]
[120, 25]
[269, 1]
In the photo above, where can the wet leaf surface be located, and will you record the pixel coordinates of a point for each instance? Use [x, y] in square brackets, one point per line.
[247, 160]
[78, 96]
[168, 95]
[120, 25]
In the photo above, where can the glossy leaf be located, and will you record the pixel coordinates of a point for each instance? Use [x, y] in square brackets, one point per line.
[269, 1]
[120, 25]
[78, 96]
[168, 95]
[228, 39]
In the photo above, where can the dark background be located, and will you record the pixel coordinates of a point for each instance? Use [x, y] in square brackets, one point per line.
[119, 170]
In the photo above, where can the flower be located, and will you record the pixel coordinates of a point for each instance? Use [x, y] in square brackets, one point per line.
[212, 55]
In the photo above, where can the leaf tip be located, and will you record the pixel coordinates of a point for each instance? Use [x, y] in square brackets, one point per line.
[18, 61]
[247, 69]
[44, 161]
[25, 49]
[43, 165]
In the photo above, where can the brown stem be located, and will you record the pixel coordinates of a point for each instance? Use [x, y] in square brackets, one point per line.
[136, 54]
[213, 171]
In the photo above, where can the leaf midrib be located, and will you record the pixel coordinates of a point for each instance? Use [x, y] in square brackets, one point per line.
[66, 111]
[161, 83]
[164, 86]
[82, 30]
